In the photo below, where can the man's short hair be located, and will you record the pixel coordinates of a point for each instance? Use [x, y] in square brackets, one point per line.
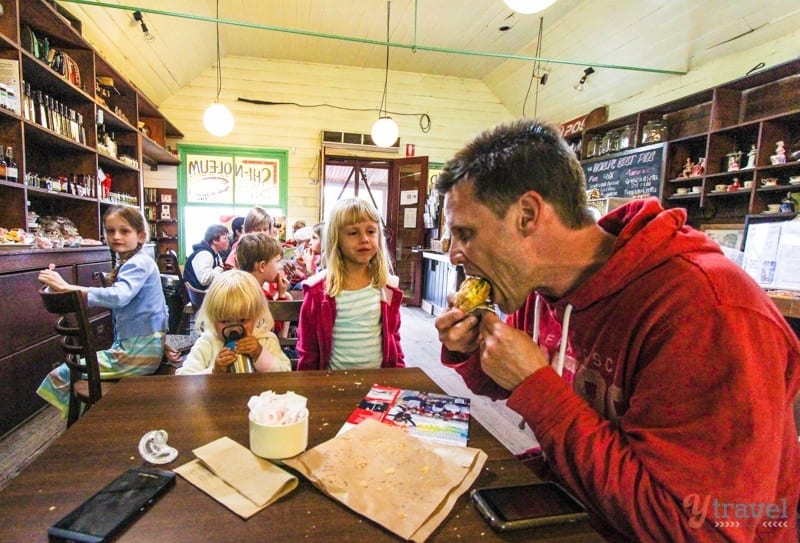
[214, 232]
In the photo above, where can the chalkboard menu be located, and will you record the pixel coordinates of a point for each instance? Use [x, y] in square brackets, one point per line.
[635, 173]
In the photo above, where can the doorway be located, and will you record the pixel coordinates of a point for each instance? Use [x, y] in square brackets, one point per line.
[398, 189]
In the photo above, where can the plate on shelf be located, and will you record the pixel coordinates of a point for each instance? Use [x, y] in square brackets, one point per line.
[7, 246]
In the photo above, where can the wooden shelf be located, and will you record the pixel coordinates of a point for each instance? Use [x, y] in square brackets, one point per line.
[756, 110]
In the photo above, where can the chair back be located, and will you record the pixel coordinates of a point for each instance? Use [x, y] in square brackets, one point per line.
[168, 264]
[78, 343]
[288, 312]
[195, 296]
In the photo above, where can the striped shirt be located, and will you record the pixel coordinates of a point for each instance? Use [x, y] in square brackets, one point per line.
[357, 331]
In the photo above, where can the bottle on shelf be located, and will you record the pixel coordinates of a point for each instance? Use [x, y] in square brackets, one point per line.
[12, 173]
[2, 167]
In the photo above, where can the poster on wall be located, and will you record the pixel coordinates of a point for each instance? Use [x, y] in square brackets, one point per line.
[256, 180]
[209, 179]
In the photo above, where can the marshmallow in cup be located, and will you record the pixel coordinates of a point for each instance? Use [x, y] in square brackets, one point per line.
[278, 425]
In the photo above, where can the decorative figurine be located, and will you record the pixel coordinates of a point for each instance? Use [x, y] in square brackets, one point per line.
[733, 187]
[751, 157]
[699, 168]
[780, 154]
[688, 168]
[733, 161]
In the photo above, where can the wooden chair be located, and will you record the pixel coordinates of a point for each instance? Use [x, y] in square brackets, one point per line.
[288, 312]
[80, 348]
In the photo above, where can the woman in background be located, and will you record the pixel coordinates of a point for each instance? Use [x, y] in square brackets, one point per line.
[350, 318]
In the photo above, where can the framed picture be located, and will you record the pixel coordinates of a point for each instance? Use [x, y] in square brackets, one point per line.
[166, 198]
[727, 235]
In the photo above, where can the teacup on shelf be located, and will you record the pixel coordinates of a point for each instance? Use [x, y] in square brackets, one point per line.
[682, 190]
[769, 181]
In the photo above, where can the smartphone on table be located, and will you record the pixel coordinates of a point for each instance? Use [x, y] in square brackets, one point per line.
[524, 506]
[109, 511]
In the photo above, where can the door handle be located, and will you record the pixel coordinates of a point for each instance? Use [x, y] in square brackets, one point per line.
[416, 248]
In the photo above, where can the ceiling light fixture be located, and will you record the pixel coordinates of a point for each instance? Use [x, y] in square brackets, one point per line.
[385, 131]
[586, 73]
[526, 7]
[139, 18]
[217, 118]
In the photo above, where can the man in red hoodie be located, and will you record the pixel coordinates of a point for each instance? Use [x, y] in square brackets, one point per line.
[656, 375]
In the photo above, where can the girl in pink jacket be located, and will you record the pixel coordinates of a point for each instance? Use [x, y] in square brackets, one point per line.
[350, 317]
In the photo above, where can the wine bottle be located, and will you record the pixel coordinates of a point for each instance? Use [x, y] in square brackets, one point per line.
[12, 173]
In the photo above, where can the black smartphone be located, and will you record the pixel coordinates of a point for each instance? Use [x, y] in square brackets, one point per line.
[523, 506]
[110, 510]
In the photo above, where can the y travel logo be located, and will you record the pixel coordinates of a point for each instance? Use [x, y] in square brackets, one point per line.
[733, 515]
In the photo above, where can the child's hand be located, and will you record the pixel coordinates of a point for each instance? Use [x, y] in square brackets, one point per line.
[283, 284]
[250, 346]
[224, 359]
[53, 279]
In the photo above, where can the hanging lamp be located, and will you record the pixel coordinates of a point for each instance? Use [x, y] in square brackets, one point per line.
[385, 131]
[527, 7]
[217, 119]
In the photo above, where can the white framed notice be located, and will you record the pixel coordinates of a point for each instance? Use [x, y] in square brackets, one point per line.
[409, 197]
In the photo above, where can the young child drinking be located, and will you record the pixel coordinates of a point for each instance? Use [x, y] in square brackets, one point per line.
[350, 318]
[135, 298]
[235, 299]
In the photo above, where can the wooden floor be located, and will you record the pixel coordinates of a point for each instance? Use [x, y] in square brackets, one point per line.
[421, 348]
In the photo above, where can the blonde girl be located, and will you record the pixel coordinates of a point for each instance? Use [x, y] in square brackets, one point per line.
[350, 317]
[234, 299]
[135, 298]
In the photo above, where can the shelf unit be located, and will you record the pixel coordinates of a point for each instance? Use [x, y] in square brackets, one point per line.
[29, 347]
[161, 212]
[760, 110]
[42, 152]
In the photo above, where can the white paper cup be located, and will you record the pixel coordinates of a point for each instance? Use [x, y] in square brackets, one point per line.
[276, 442]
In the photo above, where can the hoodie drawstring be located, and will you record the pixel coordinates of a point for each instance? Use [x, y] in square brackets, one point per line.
[562, 351]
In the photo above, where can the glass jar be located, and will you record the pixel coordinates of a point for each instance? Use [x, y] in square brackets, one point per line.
[654, 131]
[594, 147]
[625, 137]
[610, 142]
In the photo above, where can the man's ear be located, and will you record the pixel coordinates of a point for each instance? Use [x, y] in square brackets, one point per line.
[528, 209]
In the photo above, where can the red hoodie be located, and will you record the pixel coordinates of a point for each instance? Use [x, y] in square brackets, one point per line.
[673, 418]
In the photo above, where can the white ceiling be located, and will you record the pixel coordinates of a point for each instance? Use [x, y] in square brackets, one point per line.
[676, 35]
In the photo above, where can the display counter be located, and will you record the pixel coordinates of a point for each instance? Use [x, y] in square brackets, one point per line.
[440, 279]
[29, 345]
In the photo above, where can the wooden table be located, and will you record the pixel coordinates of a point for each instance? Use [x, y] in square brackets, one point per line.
[197, 409]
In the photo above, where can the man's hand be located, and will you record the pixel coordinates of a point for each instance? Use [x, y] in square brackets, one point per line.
[458, 331]
[508, 356]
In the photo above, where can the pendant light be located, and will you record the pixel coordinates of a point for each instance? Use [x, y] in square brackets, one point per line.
[385, 131]
[217, 118]
[527, 7]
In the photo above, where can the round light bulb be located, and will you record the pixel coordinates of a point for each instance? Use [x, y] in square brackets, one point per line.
[529, 6]
[384, 132]
[218, 120]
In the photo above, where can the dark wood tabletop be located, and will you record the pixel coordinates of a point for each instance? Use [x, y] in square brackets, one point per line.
[198, 409]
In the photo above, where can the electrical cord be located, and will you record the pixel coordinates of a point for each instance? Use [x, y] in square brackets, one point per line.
[424, 118]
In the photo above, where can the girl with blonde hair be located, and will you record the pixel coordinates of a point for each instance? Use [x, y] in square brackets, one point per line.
[350, 317]
[235, 300]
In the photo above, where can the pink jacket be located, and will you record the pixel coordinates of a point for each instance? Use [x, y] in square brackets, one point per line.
[672, 419]
[317, 316]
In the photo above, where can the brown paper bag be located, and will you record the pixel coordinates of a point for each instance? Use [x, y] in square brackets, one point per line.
[405, 484]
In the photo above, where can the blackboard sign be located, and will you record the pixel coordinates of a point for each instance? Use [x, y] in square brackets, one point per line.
[635, 173]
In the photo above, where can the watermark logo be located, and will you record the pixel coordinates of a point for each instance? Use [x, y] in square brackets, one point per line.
[733, 514]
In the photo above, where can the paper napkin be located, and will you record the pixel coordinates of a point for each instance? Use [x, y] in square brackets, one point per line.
[235, 477]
